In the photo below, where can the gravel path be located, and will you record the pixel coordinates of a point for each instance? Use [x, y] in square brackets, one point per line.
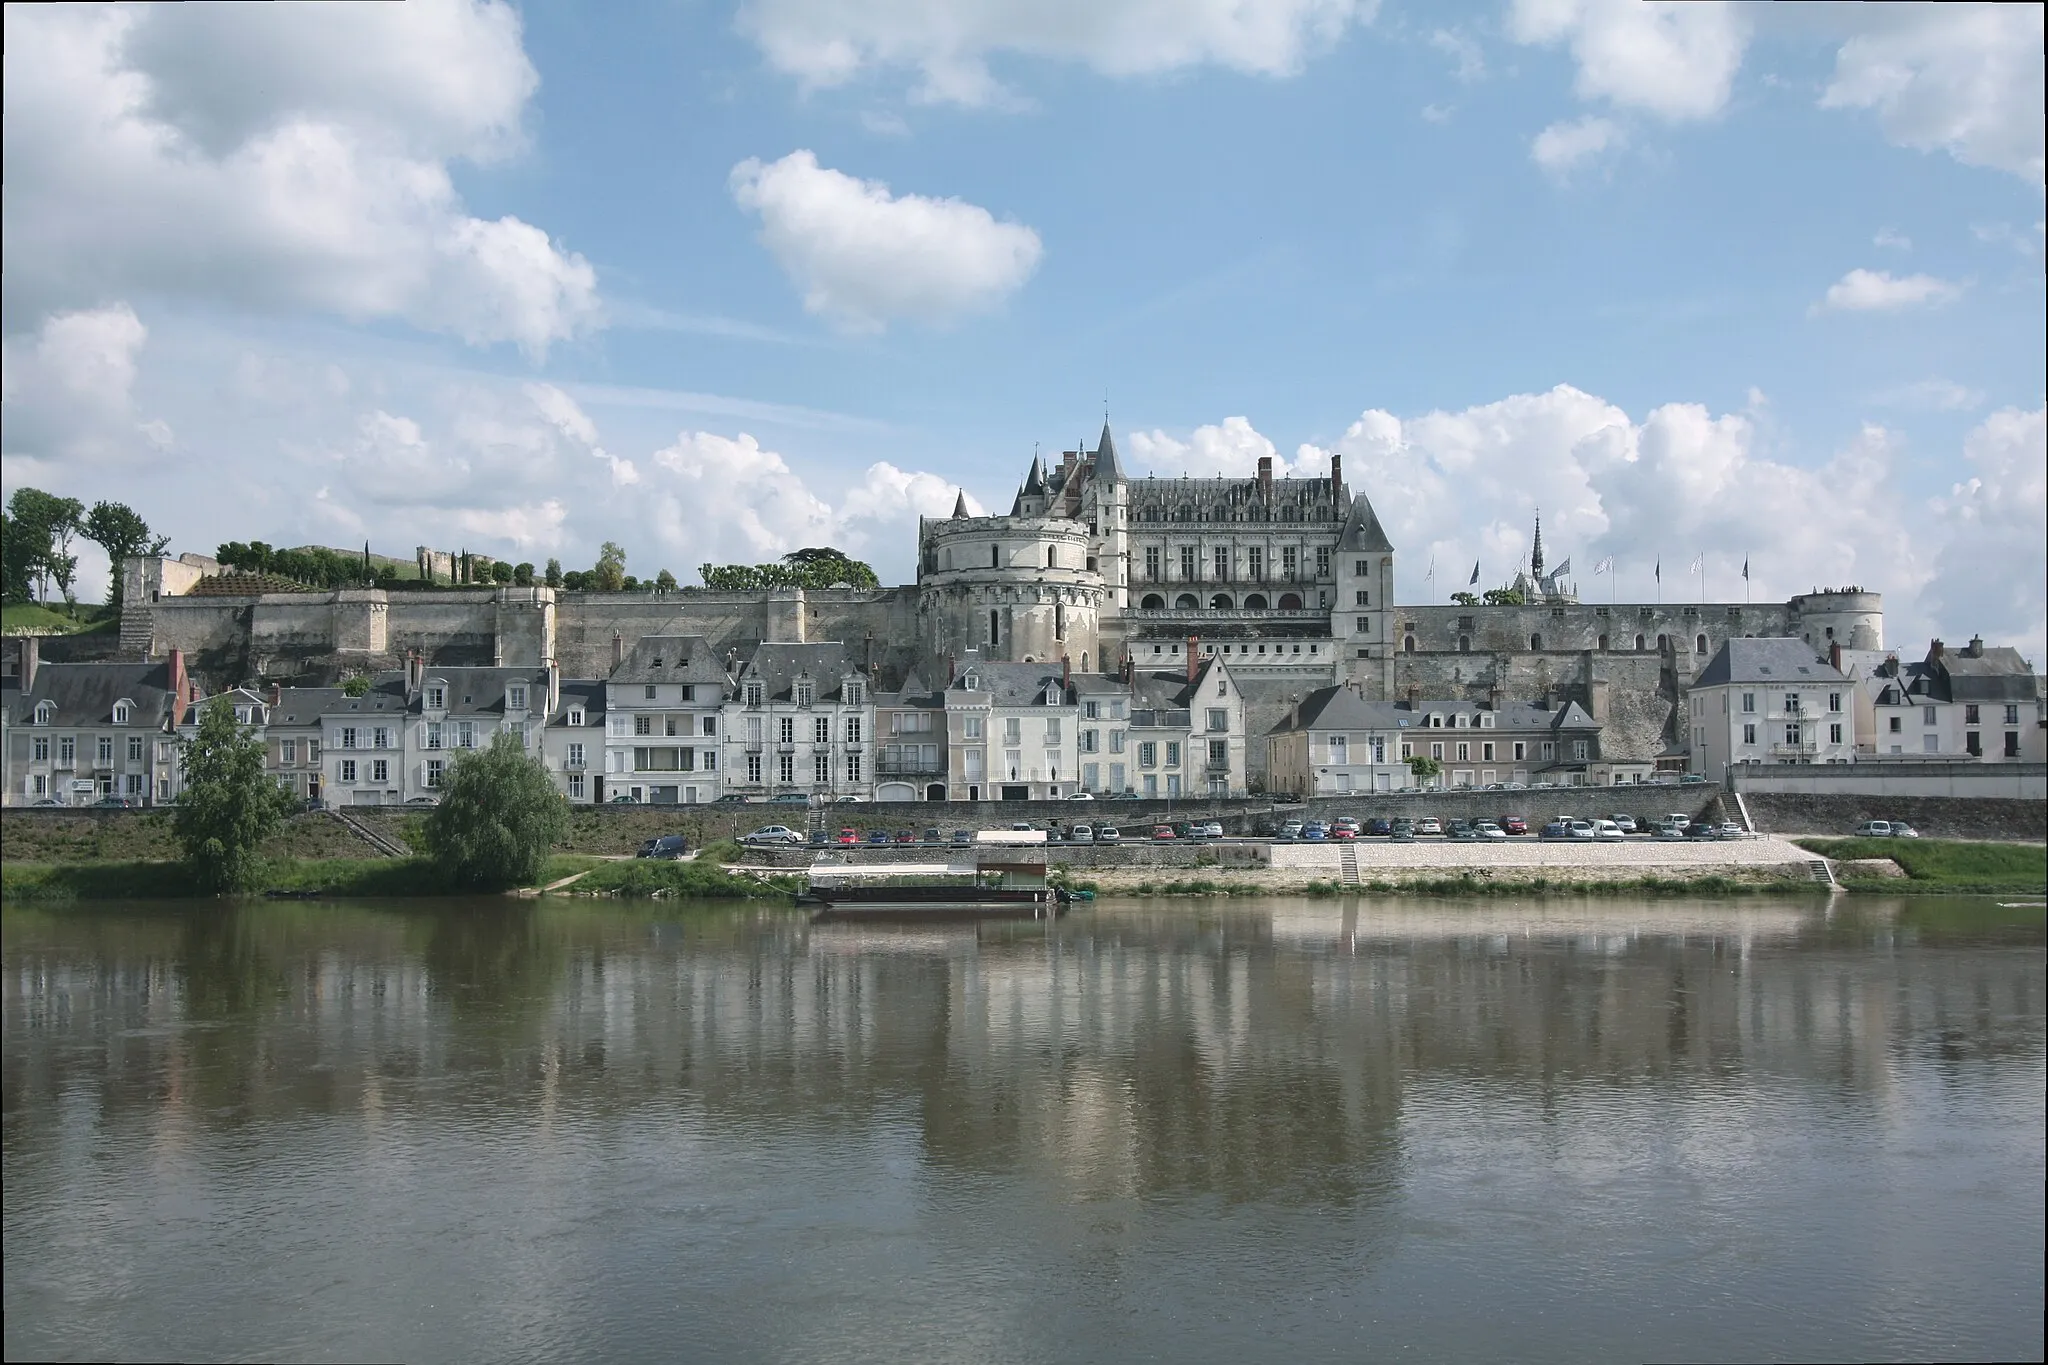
[1439, 853]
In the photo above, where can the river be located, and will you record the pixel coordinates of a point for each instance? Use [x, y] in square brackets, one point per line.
[1241, 1131]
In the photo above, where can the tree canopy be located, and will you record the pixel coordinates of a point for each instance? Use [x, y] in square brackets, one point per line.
[39, 530]
[821, 567]
[499, 815]
[229, 805]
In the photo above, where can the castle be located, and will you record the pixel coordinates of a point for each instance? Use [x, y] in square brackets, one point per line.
[1289, 580]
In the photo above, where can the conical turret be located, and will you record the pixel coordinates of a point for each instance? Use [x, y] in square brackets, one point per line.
[1106, 468]
[960, 506]
[1034, 482]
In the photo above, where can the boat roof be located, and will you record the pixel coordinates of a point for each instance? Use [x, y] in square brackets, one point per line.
[857, 870]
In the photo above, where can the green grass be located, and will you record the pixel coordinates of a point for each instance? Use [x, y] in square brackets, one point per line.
[53, 620]
[701, 879]
[1941, 864]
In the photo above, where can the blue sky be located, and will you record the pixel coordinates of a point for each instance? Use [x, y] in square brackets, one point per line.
[719, 280]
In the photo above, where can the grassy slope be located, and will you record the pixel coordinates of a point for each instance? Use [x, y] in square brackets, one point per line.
[56, 620]
[1943, 863]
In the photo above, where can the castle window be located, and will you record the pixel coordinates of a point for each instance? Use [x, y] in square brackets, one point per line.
[1221, 601]
[1059, 621]
[1535, 644]
[1408, 644]
[1052, 556]
[1186, 602]
[995, 557]
[1464, 644]
[1603, 643]
[1187, 563]
[1152, 601]
[1639, 644]
[1290, 601]
[1700, 645]
[1152, 562]
[994, 628]
[1222, 558]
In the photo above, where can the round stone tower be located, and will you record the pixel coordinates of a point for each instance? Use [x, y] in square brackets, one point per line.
[1018, 588]
[1849, 617]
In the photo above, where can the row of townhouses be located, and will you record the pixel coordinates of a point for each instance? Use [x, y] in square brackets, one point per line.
[675, 724]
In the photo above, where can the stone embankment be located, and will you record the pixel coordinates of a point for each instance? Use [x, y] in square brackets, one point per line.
[1994, 818]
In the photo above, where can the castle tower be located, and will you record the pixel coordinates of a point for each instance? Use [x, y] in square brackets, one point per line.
[1849, 617]
[1022, 587]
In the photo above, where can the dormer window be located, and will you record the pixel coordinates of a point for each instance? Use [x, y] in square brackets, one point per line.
[806, 693]
[753, 694]
[515, 697]
[437, 698]
[44, 711]
[855, 694]
[1052, 694]
[122, 712]
[575, 715]
[657, 661]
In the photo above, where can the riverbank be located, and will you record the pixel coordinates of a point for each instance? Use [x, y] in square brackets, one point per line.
[1935, 866]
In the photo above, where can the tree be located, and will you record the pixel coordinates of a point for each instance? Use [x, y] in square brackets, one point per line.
[501, 572]
[116, 528]
[1465, 599]
[610, 573]
[522, 575]
[1425, 769]
[356, 685]
[1503, 597]
[229, 806]
[17, 562]
[554, 578]
[664, 581]
[499, 815]
[576, 580]
[45, 525]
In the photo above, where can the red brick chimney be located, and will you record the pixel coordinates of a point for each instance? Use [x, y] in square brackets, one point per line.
[180, 688]
[1835, 655]
[1194, 643]
[276, 694]
[415, 671]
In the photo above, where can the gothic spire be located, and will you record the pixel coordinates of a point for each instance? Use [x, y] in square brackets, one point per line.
[960, 506]
[1536, 551]
[1034, 483]
[1106, 470]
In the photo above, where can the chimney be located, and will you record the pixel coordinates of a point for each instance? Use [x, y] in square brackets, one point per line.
[1835, 655]
[867, 652]
[179, 687]
[1414, 696]
[952, 668]
[31, 658]
[1194, 643]
[554, 687]
[1266, 477]
[618, 650]
[1935, 651]
[415, 671]
[1068, 458]
[1336, 476]
[1066, 672]
[1976, 647]
[276, 695]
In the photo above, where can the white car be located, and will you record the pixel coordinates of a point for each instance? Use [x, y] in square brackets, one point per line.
[1606, 831]
[1627, 823]
[1108, 834]
[772, 834]
[1081, 834]
[1212, 830]
[1082, 796]
[1583, 829]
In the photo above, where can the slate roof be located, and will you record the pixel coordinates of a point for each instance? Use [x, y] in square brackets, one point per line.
[1340, 708]
[85, 693]
[779, 665]
[305, 705]
[1362, 531]
[1106, 466]
[473, 691]
[672, 659]
[1773, 661]
[1997, 674]
[587, 693]
[1008, 684]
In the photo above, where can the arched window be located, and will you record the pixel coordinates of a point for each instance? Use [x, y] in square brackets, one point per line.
[1255, 602]
[1152, 602]
[1186, 602]
[44, 711]
[1700, 645]
[1408, 644]
[995, 557]
[1221, 601]
[995, 625]
[122, 712]
[948, 557]
[1663, 644]
[1290, 601]
[1535, 644]
[1052, 556]
[1603, 643]
[1464, 644]
[1059, 620]
[1639, 644]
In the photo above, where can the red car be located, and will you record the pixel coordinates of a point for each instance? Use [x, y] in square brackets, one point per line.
[1514, 824]
[1162, 831]
[1343, 832]
[849, 836]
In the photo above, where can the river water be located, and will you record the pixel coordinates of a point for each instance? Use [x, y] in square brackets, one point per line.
[1266, 1130]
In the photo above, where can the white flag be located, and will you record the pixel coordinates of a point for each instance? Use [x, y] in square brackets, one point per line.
[1604, 566]
[1699, 563]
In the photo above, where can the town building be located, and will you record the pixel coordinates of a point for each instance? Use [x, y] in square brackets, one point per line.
[574, 739]
[1187, 731]
[664, 732]
[798, 722]
[77, 733]
[910, 743]
[1011, 732]
[1337, 743]
[1979, 703]
[1769, 701]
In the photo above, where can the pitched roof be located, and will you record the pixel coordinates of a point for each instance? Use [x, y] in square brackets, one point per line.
[960, 506]
[305, 705]
[671, 658]
[1339, 708]
[1009, 684]
[585, 694]
[1034, 482]
[1106, 467]
[778, 666]
[1995, 673]
[1772, 659]
[1362, 531]
[84, 694]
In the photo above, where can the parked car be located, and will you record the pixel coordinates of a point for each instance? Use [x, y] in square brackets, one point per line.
[1669, 832]
[1462, 831]
[1315, 831]
[1429, 824]
[1582, 829]
[422, 800]
[1403, 832]
[1163, 832]
[789, 799]
[849, 835]
[1557, 829]
[1518, 786]
[878, 836]
[1213, 830]
[1081, 834]
[1340, 830]
[624, 799]
[1487, 829]
[963, 836]
[933, 836]
[1625, 823]
[906, 836]
[820, 837]
[772, 834]
[1514, 824]
[1108, 834]
[1380, 826]
[1349, 822]
[669, 846]
[1292, 829]
[1691, 780]
[1874, 829]
[1082, 796]
[1902, 830]
[1607, 831]
[730, 799]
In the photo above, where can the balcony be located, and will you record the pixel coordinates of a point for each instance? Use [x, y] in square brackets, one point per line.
[574, 765]
[911, 768]
[1803, 749]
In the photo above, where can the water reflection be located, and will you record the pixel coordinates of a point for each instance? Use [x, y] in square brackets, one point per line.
[1329, 1094]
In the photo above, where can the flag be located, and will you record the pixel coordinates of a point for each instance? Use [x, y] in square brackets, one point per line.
[1699, 563]
[1430, 577]
[1604, 566]
[1745, 568]
[1475, 571]
[1561, 570]
[1659, 570]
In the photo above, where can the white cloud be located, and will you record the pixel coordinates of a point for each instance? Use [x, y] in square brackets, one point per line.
[1893, 241]
[295, 157]
[1469, 62]
[1864, 291]
[1965, 79]
[949, 43]
[1930, 395]
[1229, 449]
[69, 391]
[1993, 557]
[1677, 61]
[1563, 147]
[864, 257]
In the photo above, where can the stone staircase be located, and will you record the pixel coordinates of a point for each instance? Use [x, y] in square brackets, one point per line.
[1819, 870]
[375, 838]
[1347, 865]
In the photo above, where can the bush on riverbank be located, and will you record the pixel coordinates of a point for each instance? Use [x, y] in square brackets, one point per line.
[1939, 864]
[701, 878]
[34, 883]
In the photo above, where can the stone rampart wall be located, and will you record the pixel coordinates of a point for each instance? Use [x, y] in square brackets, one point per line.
[2026, 781]
[1935, 817]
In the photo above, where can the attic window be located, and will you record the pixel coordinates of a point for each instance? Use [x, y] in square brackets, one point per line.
[657, 661]
[44, 710]
[122, 711]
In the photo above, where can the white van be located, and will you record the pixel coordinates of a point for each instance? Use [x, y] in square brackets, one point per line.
[1607, 831]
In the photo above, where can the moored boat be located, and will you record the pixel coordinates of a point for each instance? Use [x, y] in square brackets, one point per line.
[1003, 887]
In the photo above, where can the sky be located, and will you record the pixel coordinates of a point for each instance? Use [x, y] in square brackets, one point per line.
[1703, 285]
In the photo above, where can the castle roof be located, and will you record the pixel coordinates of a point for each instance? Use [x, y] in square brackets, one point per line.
[1362, 531]
[1106, 467]
[1340, 708]
[960, 506]
[1034, 482]
[1010, 684]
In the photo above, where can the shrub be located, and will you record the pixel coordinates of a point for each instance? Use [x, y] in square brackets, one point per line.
[499, 815]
